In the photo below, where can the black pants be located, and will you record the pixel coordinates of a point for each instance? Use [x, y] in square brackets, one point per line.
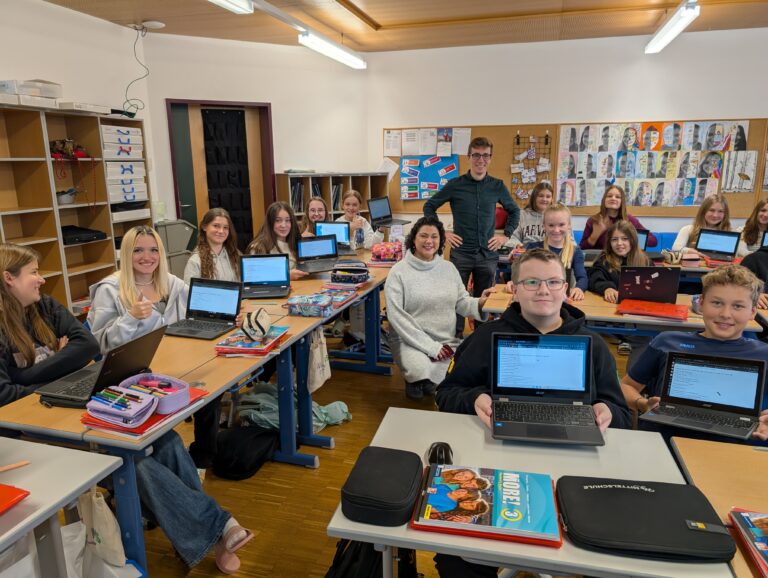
[455, 567]
[203, 448]
[483, 272]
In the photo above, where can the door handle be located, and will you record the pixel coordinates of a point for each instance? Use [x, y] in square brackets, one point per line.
[185, 206]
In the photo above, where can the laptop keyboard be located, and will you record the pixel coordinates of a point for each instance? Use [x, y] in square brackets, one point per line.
[720, 420]
[80, 389]
[545, 413]
[198, 324]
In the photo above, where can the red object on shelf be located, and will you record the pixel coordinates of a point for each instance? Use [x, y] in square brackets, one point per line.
[653, 309]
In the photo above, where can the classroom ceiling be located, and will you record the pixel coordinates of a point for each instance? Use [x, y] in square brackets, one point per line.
[383, 25]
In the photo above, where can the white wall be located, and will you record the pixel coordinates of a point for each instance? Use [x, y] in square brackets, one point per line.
[318, 105]
[699, 75]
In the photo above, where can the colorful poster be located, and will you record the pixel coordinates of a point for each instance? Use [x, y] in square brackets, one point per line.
[739, 168]
[650, 139]
[444, 142]
[424, 175]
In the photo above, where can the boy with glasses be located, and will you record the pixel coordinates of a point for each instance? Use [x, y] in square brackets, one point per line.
[473, 198]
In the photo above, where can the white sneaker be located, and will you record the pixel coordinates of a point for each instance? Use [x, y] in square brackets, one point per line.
[201, 474]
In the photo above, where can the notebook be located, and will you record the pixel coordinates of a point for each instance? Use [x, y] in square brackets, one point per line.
[341, 231]
[657, 284]
[719, 245]
[75, 389]
[541, 387]
[212, 307]
[317, 254]
[717, 395]
[265, 276]
[381, 213]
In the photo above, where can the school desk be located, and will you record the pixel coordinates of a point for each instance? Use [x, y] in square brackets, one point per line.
[55, 477]
[627, 454]
[729, 475]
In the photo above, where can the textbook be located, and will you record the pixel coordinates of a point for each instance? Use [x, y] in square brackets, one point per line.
[652, 309]
[240, 343]
[339, 296]
[489, 503]
[751, 530]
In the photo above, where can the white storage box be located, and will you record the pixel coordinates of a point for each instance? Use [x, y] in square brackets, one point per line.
[38, 101]
[120, 193]
[9, 98]
[110, 130]
[128, 197]
[137, 215]
[34, 87]
[121, 170]
[113, 138]
[116, 151]
[84, 107]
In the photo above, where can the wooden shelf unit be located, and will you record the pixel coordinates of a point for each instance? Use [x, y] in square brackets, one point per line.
[369, 185]
[29, 212]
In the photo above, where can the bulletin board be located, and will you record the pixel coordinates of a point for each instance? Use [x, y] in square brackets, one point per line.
[507, 146]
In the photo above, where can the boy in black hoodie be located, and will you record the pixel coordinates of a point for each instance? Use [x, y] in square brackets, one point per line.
[539, 281]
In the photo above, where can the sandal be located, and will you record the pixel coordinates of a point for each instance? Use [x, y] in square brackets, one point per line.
[226, 559]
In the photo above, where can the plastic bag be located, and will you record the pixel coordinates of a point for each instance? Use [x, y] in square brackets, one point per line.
[103, 532]
[319, 368]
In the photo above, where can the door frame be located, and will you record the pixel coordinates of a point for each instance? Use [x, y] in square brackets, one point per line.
[264, 110]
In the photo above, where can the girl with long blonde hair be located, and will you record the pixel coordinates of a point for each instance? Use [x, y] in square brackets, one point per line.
[712, 214]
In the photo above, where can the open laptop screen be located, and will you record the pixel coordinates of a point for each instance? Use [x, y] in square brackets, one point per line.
[642, 238]
[379, 208]
[717, 382]
[264, 269]
[765, 239]
[526, 364]
[213, 299]
[717, 241]
[310, 248]
[341, 230]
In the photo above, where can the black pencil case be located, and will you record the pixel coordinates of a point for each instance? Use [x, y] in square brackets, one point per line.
[655, 520]
[382, 487]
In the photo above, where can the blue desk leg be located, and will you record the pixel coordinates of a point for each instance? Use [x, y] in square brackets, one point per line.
[129, 507]
[306, 432]
[287, 452]
[372, 355]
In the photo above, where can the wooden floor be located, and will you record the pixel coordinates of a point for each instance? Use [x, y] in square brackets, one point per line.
[288, 507]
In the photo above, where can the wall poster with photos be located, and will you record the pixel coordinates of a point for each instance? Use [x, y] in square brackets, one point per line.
[658, 164]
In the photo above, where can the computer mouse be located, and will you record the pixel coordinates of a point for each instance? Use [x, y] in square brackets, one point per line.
[440, 453]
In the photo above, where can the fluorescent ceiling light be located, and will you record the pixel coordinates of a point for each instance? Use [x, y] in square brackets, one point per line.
[686, 12]
[332, 50]
[236, 6]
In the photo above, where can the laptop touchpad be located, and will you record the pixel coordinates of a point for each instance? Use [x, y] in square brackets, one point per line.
[547, 431]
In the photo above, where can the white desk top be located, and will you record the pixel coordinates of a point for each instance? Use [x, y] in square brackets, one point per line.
[55, 477]
[636, 455]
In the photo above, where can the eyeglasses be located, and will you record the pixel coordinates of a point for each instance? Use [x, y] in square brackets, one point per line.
[534, 284]
[478, 156]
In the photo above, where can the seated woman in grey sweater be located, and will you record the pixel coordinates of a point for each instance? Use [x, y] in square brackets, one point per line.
[424, 293]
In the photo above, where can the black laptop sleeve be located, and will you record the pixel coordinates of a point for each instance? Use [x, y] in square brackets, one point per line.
[653, 520]
[382, 487]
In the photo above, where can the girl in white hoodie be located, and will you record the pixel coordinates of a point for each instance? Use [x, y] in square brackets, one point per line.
[531, 227]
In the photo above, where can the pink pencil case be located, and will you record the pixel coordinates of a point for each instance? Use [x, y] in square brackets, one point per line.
[176, 398]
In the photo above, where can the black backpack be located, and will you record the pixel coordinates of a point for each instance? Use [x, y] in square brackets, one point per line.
[360, 560]
[241, 451]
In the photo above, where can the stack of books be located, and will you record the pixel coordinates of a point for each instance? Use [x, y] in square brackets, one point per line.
[751, 531]
[240, 344]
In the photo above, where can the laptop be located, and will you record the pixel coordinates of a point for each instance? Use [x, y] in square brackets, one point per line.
[642, 243]
[265, 276]
[317, 254]
[541, 387]
[657, 284]
[718, 245]
[381, 213]
[764, 242]
[75, 389]
[717, 395]
[341, 230]
[212, 307]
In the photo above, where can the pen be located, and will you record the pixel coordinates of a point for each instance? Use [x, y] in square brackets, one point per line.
[109, 403]
[14, 466]
[118, 392]
[757, 448]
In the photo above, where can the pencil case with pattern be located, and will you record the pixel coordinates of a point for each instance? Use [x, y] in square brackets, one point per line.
[315, 305]
[121, 406]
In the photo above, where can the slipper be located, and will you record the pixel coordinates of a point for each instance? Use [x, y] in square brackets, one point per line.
[234, 530]
[226, 561]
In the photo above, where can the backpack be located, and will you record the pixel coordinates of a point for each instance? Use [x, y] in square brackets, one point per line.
[241, 451]
[360, 560]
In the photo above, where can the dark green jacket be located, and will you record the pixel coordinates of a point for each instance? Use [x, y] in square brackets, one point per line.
[473, 204]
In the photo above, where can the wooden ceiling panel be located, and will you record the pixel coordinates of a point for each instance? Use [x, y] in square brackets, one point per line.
[383, 25]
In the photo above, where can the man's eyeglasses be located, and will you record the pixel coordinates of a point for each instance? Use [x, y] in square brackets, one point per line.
[534, 284]
[478, 156]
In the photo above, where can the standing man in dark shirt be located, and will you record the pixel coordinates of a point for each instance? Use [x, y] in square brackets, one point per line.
[473, 198]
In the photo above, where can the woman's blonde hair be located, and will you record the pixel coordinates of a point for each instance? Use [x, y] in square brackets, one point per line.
[636, 256]
[352, 193]
[12, 314]
[569, 245]
[129, 295]
[699, 223]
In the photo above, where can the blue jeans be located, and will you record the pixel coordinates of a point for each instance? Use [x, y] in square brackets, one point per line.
[170, 488]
